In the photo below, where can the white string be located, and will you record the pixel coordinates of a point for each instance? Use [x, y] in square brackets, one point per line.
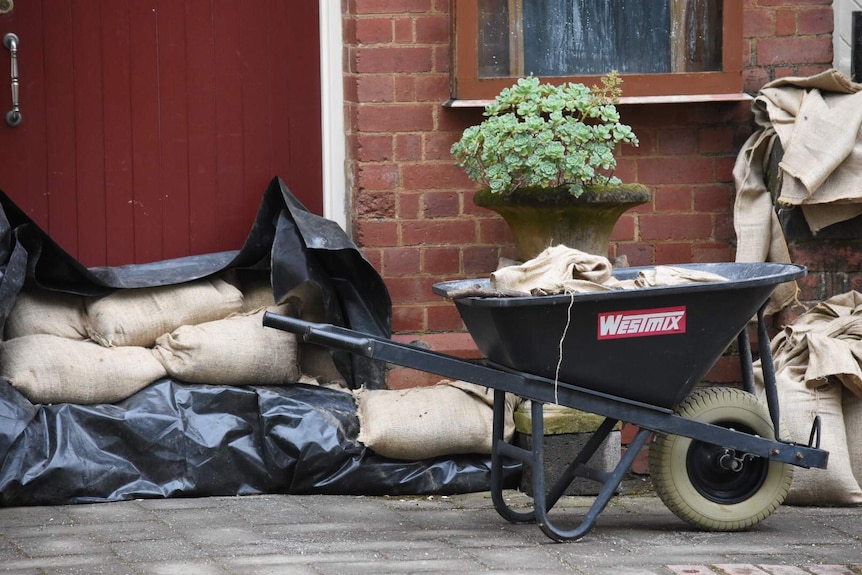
[560, 347]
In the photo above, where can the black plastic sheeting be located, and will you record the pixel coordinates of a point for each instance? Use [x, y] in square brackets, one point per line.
[174, 439]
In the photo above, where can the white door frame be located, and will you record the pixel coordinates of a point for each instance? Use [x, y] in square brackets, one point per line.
[335, 200]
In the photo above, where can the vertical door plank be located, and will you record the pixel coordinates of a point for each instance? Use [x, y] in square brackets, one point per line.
[119, 196]
[203, 222]
[173, 127]
[281, 43]
[61, 158]
[229, 127]
[146, 171]
[256, 103]
[302, 69]
[89, 132]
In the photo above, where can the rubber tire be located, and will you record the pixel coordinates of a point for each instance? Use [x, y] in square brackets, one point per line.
[670, 474]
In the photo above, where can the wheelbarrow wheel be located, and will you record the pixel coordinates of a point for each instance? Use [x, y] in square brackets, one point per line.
[711, 487]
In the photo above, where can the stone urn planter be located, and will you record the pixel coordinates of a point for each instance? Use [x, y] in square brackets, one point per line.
[540, 218]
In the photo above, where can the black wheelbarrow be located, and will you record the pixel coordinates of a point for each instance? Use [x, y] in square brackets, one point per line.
[719, 459]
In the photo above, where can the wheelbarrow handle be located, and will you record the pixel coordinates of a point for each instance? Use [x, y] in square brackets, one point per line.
[319, 333]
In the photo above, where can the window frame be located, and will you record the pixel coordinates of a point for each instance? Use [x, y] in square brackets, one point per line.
[465, 83]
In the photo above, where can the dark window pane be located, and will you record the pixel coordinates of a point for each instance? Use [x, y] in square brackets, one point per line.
[562, 37]
[494, 39]
[700, 49]
[583, 37]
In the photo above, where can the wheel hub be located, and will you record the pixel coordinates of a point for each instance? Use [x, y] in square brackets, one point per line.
[723, 476]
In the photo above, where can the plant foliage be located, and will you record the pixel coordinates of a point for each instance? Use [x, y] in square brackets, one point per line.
[537, 135]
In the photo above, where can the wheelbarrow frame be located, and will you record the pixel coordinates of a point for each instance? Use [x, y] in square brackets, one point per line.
[540, 390]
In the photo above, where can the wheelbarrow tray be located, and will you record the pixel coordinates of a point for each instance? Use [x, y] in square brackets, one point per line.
[651, 345]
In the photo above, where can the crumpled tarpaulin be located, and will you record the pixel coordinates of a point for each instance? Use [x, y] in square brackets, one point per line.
[817, 120]
[176, 439]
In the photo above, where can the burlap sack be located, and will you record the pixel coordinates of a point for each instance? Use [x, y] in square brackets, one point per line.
[852, 407]
[314, 360]
[137, 317]
[672, 276]
[800, 403]
[52, 369]
[46, 312]
[423, 422]
[558, 269]
[255, 295]
[817, 366]
[237, 350]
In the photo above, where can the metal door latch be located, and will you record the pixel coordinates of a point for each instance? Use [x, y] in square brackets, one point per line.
[13, 116]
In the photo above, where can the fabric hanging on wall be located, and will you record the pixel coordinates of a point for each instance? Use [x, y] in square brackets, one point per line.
[817, 121]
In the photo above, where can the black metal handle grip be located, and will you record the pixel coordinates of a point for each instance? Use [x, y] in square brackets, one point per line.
[318, 333]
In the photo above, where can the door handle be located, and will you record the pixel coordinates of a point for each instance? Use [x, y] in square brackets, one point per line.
[13, 116]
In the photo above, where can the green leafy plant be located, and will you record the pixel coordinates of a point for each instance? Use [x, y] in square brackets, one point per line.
[537, 135]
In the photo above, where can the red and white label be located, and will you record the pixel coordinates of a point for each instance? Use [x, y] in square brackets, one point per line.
[642, 322]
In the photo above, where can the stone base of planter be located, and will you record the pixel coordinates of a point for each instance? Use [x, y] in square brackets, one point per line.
[566, 432]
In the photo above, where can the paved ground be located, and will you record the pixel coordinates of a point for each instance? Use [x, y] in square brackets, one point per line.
[321, 534]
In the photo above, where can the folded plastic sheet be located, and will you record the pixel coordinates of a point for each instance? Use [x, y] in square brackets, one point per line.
[182, 440]
[175, 439]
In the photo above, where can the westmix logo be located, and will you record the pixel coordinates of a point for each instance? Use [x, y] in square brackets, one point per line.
[641, 323]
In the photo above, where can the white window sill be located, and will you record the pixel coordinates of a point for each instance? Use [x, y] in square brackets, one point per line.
[685, 99]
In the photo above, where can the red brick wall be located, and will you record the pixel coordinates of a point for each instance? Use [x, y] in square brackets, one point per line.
[413, 214]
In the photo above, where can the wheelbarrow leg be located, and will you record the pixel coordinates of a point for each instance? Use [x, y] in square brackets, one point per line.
[746, 363]
[609, 487]
[768, 370]
[543, 502]
[499, 448]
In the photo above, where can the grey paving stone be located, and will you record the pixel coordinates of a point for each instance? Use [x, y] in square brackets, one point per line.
[172, 549]
[108, 512]
[432, 566]
[60, 546]
[65, 564]
[33, 516]
[180, 568]
[519, 558]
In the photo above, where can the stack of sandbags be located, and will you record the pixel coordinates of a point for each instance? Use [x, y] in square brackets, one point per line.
[194, 332]
[47, 357]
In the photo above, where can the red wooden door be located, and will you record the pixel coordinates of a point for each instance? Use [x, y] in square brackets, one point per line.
[151, 127]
